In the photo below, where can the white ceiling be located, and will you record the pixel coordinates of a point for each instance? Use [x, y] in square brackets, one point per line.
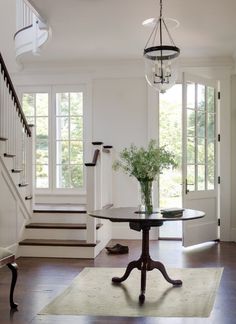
[112, 29]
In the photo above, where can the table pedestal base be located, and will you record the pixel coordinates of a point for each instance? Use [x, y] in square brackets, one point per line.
[144, 264]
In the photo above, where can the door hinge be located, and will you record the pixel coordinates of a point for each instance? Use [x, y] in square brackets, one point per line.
[218, 180]
[218, 137]
[218, 221]
[218, 95]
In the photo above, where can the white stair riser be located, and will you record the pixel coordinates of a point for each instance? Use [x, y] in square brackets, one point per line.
[56, 251]
[59, 218]
[55, 234]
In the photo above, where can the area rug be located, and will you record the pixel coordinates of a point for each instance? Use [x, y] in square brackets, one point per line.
[92, 293]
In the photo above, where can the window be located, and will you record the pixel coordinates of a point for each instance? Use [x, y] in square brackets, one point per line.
[35, 106]
[69, 140]
[58, 116]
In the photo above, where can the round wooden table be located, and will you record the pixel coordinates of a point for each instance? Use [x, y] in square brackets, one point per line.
[143, 222]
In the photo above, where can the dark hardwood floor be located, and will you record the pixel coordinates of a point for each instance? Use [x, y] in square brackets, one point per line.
[41, 279]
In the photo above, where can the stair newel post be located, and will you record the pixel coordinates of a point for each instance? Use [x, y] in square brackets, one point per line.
[107, 161]
[91, 202]
[93, 190]
[99, 183]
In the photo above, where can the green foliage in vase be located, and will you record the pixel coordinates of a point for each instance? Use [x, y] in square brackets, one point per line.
[145, 164]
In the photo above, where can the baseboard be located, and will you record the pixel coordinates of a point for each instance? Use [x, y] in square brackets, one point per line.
[123, 232]
[233, 234]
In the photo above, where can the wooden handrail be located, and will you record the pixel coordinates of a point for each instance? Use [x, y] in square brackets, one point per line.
[95, 158]
[14, 96]
[20, 30]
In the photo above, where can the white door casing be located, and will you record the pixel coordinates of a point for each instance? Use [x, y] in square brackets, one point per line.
[200, 176]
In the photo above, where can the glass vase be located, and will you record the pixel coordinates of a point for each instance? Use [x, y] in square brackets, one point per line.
[146, 195]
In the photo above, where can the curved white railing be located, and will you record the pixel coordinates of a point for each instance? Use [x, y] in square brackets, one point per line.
[31, 29]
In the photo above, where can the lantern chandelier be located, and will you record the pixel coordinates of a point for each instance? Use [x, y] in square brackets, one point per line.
[160, 56]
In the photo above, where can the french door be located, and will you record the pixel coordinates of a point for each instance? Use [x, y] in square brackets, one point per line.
[200, 185]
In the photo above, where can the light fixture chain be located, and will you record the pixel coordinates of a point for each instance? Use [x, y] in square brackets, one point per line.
[160, 8]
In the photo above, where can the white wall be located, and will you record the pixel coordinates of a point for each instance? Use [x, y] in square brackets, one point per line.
[13, 213]
[121, 106]
[119, 119]
[233, 148]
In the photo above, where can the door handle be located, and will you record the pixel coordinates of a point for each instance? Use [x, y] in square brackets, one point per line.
[186, 186]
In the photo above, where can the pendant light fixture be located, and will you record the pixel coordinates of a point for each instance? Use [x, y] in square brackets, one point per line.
[160, 55]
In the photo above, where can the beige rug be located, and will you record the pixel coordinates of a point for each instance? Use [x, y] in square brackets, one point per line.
[92, 293]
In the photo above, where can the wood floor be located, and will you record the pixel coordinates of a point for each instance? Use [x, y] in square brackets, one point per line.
[41, 279]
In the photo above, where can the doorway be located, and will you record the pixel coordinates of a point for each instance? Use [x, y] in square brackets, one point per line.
[188, 128]
[170, 135]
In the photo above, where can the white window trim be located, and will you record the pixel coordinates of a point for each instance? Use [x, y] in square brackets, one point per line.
[86, 88]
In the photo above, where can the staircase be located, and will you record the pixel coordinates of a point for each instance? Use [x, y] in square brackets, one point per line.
[58, 232]
[62, 231]
[66, 231]
[15, 164]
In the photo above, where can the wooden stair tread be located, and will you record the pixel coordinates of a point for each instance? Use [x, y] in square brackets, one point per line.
[57, 208]
[8, 155]
[23, 184]
[60, 225]
[16, 170]
[51, 242]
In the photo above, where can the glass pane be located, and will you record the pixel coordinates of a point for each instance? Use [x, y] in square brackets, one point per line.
[76, 103]
[28, 104]
[201, 151]
[63, 176]
[41, 176]
[76, 128]
[211, 175]
[77, 176]
[62, 104]
[211, 153]
[170, 188]
[42, 127]
[76, 152]
[62, 152]
[201, 177]
[190, 150]
[190, 95]
[41, 104]
[201, 126]
[190, 122]
[30, 120]
[41, 152]
[191, 177]
[211, 99]
[62, 128]
[201, 104]
[211, 127]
